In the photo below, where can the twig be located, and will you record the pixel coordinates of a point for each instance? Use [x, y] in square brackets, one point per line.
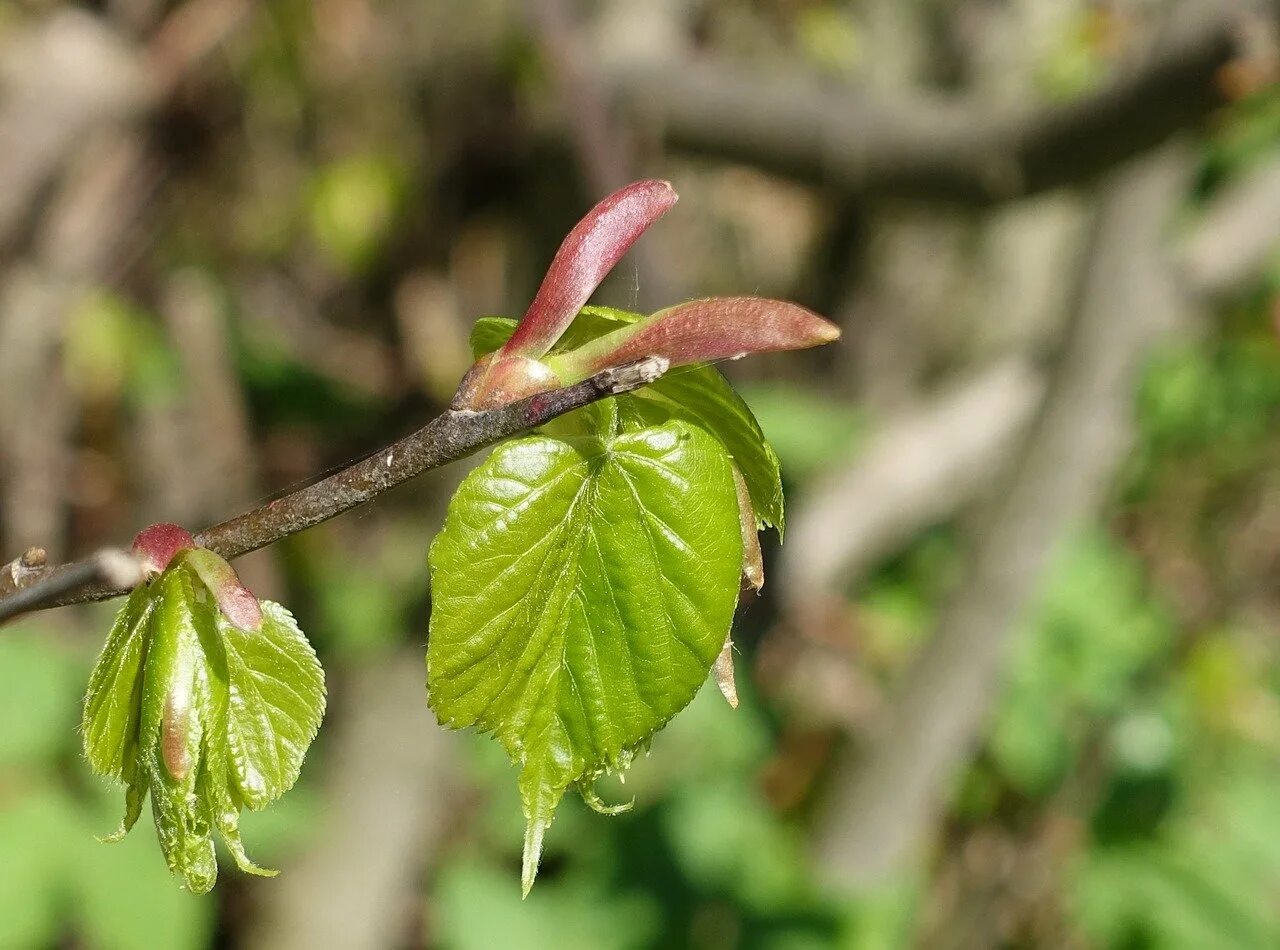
[111, 568]
[451, 436]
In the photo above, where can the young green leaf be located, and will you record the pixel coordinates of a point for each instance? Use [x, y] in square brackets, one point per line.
[193, 706]
[582, 589]
[277, 702]
[176, 700]
[113, 703]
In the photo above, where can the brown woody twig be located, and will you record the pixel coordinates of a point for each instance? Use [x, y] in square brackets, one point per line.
[451, 436]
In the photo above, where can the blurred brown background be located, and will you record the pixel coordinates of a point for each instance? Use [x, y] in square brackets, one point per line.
[1013, 681]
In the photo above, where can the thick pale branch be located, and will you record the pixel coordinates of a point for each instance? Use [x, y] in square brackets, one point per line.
[934, 147]
[449, 437]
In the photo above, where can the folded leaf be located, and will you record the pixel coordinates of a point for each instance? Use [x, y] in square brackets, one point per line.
[200, 711]
[113, 703]
[175, 701]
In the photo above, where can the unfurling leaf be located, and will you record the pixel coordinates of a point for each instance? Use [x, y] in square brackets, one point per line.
[203, 702]
[701, 331]
[700, 395]
[584, 259]
[582, 588]
[585, 579]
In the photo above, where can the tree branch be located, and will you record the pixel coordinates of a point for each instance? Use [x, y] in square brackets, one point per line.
[881, 807]
[110, 569]
[936, 148]
[451, 436]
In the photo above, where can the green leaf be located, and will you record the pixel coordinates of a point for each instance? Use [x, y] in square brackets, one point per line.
[702, 396]
[581, 590]
[696, 394]
[176, 700]
[113, 703]
[204, 716]
[277, 702]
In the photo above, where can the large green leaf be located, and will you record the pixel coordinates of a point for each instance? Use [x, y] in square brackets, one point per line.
[582, 588]
[697, 394]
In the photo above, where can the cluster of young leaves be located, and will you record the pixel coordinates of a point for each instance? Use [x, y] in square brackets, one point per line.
[205, 699]
[584, 582]
[586, 576]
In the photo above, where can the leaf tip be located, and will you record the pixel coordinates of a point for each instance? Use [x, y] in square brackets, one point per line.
[722, 670]
[589, 795]
[533, 834]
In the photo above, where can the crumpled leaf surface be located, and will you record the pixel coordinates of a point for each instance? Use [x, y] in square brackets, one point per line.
[203, 716]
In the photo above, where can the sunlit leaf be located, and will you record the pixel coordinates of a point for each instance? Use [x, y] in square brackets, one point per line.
[113, 703]
[201, 713]
[582, 589]
[277, 702]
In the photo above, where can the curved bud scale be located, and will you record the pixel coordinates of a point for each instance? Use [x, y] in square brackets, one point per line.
[156, 545]
[700, 331]
[496, 380]
[591, 250]
[752, 559]
[235, 601]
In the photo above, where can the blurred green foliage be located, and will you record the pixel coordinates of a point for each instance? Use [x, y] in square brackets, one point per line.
[56, 879]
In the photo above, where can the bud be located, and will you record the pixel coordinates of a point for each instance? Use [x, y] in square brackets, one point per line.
[584, 259]
[701, 331]
[156, 545]
[497, 380]
[204, 699]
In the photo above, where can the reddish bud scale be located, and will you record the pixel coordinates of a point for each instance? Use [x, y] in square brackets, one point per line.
[156, 545]
[235, 601]
[715, 328]
[584, 259]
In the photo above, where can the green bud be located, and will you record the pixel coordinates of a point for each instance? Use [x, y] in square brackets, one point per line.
[202, 712]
